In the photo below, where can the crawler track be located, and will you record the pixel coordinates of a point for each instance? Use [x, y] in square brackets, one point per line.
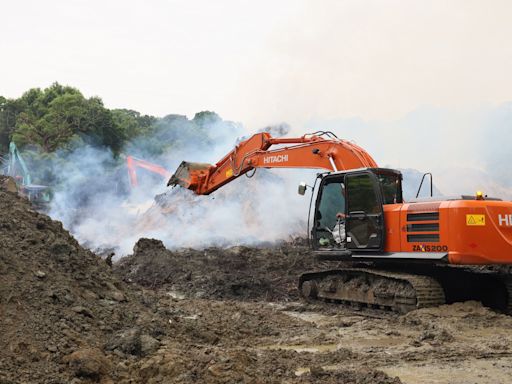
[403, 292]
[395, 291]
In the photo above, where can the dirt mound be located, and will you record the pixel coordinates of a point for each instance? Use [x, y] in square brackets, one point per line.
[57, 300]
[234, 273]
[212, 316]
[66, 317]
[364, 376]
[243, 366]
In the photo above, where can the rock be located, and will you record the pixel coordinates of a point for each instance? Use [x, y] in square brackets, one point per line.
[435, 336]
[8, 184]
[82, 311]
[132, 342]
[119, 353]
[152, 244]
[148, 344]
[88, 362]
[317, 371]
[122, 366]
[52, 348]
[40, 274]
[89, 295]
[117, 296]
[216, 369]
[127, 341]
[176, 295]
[61, 248]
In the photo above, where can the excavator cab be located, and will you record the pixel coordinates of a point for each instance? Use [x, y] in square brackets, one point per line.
[349, 215]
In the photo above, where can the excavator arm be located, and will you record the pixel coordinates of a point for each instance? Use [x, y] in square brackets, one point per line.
[322, 150]
[133, 163]
[16, 158]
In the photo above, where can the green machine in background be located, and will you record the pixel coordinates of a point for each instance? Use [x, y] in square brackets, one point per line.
[38, 195]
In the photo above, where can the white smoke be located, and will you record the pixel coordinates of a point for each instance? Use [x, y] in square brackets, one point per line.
[466, 150]
[94, 201]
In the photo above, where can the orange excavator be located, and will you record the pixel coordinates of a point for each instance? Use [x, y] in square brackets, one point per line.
[132, 163]
[389, 254]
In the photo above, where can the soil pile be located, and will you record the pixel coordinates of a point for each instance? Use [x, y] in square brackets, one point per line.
[66, 318]
[60, 304]
[242, 273]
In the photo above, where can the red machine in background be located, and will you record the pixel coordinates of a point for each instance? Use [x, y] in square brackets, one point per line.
[133, 163]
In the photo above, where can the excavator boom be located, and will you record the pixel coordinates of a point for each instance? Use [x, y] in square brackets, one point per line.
[322, 150]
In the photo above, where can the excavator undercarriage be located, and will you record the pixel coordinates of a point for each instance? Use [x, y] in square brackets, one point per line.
[389, 288]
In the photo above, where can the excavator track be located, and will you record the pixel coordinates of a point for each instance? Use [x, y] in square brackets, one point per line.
[397, 291]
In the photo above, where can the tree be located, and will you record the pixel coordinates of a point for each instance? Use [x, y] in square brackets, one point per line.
[205, 118]
[9, 110]
[131, 123]
[49, 121]
[60, 117]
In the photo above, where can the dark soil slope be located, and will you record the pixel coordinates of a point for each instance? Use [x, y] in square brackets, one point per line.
[56, 299]
[66, 318]
[235, 273]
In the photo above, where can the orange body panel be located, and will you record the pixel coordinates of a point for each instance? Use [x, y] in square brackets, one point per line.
[470, 231]
[393, 234]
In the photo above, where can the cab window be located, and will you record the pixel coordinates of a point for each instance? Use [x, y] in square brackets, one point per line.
[332, 202]
[391, 188]
[361, 194]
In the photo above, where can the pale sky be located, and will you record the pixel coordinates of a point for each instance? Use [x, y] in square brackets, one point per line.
[262, 62]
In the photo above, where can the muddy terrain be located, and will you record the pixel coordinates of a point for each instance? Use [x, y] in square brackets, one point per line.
[213, 316]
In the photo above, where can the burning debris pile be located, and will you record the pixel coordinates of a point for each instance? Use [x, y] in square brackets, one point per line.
[239, 273]
[241, 213]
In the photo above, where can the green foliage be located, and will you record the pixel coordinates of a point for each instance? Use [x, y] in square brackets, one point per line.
[59, 119]
[206, 118]
[177, 135]
[58, 129]
[131, 123]
[9, 110]
[58, 116]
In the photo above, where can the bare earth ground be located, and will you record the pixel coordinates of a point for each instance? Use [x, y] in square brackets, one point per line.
[213, 316]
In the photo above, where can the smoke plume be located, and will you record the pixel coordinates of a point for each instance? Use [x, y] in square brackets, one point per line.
[94, 200]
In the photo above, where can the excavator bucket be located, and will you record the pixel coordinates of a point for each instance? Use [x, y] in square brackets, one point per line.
[188, 175]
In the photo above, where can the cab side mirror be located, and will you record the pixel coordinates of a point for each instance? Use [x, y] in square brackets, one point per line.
[302, 188]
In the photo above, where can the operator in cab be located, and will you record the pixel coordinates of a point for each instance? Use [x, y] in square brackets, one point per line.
[333, 215]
